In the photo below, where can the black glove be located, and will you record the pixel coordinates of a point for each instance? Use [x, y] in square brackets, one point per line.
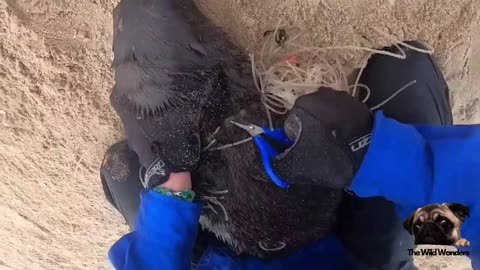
[331, 131]
[164, 144]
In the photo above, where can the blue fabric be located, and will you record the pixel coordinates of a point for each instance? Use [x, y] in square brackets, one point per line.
[418, 165]
[327, 254]
[164, 235]
[166, 231]
[410, 165]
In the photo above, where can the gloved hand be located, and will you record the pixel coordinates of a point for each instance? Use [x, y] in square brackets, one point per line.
[164, 144]
[331, 131]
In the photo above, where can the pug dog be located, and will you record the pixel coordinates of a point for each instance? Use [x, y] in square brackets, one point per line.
[438, 224]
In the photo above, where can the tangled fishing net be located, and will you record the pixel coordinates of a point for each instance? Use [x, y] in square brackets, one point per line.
[285, 69]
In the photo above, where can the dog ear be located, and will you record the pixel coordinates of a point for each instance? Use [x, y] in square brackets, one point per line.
[408, 223]
[459, 210]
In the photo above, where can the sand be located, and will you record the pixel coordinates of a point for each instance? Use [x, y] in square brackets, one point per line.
[55, 79]
[56, 122]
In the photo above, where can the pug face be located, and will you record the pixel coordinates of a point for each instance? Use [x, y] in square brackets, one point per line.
[438, 224]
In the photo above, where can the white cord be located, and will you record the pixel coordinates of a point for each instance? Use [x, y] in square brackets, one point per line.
[282, 246]
[393, 95]
[231, 144]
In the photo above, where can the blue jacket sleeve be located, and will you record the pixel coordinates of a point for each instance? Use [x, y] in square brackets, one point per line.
[418, 165]
[164, 235]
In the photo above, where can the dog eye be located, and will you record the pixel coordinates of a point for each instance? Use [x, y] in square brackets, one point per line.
[445, 224]
[416, 228]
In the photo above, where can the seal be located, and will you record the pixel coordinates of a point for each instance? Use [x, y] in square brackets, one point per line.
[175, 74]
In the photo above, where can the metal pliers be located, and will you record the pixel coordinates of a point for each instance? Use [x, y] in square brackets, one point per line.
[261, 137]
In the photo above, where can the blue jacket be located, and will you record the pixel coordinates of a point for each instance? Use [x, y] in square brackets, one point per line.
[410, 165]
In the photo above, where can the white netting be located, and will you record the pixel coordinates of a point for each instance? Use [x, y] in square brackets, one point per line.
[285, 69]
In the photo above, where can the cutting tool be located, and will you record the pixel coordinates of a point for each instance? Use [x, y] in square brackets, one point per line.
[261, 136]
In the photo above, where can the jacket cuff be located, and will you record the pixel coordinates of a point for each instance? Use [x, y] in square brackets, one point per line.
[168, 220]
[397, 165]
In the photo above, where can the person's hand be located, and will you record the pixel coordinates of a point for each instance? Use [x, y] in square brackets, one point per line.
[178, 182]
[331, 131]
[165, 144]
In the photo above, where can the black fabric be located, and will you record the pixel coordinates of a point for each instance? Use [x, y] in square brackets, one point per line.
[371, 231]
[369, 228]
[425, 102]
[323, 124]
[120, 180]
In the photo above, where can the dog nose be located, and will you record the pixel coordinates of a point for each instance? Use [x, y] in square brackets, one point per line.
[429, 227]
